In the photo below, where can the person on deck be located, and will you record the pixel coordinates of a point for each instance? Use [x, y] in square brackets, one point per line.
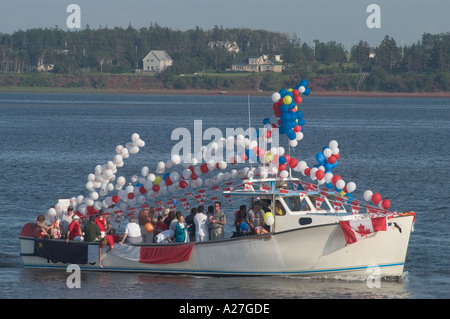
[91, 230]
[100, 220]
[65, 222]
[201, 225]
[108, 240]
[42, 230]
[74, 232]
[218, 221]
[144, 218]
[160, 226]
[255, 217]
[132, 233]
[181, 230]
[190, 221]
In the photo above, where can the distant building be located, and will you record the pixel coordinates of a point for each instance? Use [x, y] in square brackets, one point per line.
[156, 61]
[231, 47]
[255, 64]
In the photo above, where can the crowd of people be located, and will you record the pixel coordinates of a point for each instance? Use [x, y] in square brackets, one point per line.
[150, 227]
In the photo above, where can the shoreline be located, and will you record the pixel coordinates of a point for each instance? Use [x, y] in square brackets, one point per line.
[319, 93]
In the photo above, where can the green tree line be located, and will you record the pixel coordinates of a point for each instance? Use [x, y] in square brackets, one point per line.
[422, 66]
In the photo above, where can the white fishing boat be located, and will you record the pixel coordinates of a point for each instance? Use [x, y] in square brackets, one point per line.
[303, 241]
[312, 228]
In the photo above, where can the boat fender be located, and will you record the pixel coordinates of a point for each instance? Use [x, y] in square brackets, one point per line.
[398, 227]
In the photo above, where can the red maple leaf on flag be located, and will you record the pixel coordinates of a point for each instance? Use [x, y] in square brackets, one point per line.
[363, 230]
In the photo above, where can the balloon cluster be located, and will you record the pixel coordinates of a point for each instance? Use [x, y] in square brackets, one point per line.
[285, 107]
[104, 181]
[376, 199]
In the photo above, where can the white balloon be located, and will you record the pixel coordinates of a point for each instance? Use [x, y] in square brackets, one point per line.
[94, 195]
[276, 97]
[301, 89]
[351, 186]
[176, 159]
[80, 199]
[134, 137]
[293, 143]
[333, 144]
[340, 184]
[144, 171]
[284, 174]
[119, 149]
[368, 195]
[89, 185]
[118, 159]
[327, 152]
[151, 177]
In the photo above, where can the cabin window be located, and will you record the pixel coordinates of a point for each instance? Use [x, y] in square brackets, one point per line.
[279, 209]
[295, 205]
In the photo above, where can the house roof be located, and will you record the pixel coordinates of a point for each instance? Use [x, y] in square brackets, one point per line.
[159, 54]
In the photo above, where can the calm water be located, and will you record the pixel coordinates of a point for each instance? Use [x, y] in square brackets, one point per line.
[50, 142]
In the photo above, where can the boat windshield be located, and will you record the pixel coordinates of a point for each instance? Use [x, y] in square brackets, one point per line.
[295, 205]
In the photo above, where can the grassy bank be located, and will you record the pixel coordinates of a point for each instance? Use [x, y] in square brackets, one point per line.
[209, 83]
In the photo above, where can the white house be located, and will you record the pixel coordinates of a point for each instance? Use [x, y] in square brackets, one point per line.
[157, 61]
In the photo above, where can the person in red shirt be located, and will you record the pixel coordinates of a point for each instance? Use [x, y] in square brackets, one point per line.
[102, 224]
[74, 232]
[160, 226]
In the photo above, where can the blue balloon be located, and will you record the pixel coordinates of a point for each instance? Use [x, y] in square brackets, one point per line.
[281, 130]
[291, 135]
[285, 117]
[307, 91]
[243, 226]
[304, 83]
[329, 185]
[282, 92]
[320, 158]
[284, 108]
[301, 122]
[282, 160]
[166, 175]
[266, 121]
[293, 115]
[350, 197]
[299, 114]
[328, 166]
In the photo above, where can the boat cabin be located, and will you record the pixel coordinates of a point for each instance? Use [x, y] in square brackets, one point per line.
[292, 207]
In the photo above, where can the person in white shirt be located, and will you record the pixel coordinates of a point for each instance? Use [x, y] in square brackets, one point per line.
[201, 225]
[132, 233]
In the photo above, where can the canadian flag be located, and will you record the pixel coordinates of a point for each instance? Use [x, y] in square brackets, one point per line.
[357, 229]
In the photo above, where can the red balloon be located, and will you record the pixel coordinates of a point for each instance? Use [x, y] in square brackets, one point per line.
[194, 176]
[282, 167]
[307, 171]
[338, 155]
[116, 199]
[155, 188]
[335, 179]
[320, 174]
[204, 168]
[332, 159]
[376, 198]
[386, 203]
[293, 163]
[168, 181]
[288, 158]
[183, 184]
[297, 129]
[298, 99]
[269, 133]
[295, 92]
[130, 195]
[142, 190]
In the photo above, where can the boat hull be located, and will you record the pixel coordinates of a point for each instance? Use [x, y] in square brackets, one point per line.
[308, 251]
